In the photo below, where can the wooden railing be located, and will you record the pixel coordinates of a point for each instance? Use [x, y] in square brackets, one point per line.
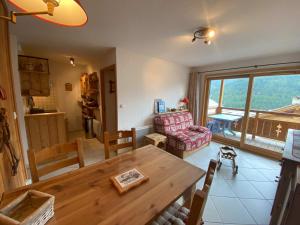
[268, 124]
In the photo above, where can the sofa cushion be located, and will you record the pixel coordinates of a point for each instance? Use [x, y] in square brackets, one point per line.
[172, 122]
[199, 129]
[189, 139]
[174, 215]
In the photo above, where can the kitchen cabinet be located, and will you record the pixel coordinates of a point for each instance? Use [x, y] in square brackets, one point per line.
[286, 205]
[34, 76]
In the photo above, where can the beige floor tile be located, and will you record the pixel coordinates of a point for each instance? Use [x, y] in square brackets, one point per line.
[252, 174]
[259, 210]
[244, 189]
[267, 189]
[210, 213]
[231, 210]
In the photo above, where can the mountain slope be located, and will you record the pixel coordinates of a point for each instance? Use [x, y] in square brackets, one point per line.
[269, 92]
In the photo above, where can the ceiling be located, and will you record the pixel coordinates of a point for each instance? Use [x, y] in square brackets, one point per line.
[163, 28]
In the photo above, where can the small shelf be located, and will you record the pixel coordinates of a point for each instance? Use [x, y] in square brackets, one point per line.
[90, 107]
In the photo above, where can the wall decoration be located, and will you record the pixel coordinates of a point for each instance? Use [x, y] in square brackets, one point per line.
[159, 106]
[112, 86]
[68, 87]
[5, 143]
[3, 95]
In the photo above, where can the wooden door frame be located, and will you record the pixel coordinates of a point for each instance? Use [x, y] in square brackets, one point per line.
[10, 182]
[102, 88]
[251, 74]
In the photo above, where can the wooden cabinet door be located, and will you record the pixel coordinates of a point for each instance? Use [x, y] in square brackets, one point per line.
[35, 82]
[7, 181]
[25, 83]
[45, 86]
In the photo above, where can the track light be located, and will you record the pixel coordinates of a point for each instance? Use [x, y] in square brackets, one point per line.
[207, 41]
[205, 33]
[72, 61]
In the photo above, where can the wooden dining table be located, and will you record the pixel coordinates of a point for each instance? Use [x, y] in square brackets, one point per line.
[87, 196]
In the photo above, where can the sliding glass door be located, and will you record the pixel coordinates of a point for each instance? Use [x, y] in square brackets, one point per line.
[226, 107]
[274, 108]
[253, 111]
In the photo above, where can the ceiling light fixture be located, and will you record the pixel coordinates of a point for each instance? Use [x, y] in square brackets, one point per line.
[62, 12]
[72, 61]
[205, 33]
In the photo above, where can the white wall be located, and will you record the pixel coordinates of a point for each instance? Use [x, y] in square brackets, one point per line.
[99, 62]
[67, 101]
[18, 97]
[140, 80]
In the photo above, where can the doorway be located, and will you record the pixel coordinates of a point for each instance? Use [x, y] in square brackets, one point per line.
[109, 111]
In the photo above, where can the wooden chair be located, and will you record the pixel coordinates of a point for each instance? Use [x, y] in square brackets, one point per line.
[111, 143]
[212, 166]
[198, 205]
[178, 214]
[54, 158]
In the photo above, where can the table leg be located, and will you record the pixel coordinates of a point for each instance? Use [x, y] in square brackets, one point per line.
[229, 129]
[188, 196]
[223, 127]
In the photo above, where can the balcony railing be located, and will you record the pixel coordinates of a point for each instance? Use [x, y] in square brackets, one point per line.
[267, 124]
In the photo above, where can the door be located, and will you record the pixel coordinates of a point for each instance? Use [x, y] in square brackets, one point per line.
[7, 181]
[109, 99]
[226, 108]
[273, 109]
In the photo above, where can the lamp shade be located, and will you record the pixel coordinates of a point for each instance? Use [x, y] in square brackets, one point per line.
[67, 13]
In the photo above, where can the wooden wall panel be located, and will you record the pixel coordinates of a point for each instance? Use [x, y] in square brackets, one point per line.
[53, 131]
[61, 129]
[44, 132]
[9, 182]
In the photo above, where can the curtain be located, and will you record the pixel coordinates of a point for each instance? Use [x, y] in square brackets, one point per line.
[194, 96]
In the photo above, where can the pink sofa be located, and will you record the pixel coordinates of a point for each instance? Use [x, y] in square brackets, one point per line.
[183, 137]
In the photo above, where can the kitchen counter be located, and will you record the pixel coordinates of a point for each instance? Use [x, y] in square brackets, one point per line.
[46, 129]
[44, 114]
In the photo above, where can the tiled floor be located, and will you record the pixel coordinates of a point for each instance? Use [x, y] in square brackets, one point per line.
[242, 199]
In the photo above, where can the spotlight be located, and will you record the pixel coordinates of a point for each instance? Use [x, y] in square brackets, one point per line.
[205, 33]
[211, 33]
[207, 41]
[72, 61]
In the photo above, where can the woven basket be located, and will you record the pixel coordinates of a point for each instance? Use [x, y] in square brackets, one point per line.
[30, 208]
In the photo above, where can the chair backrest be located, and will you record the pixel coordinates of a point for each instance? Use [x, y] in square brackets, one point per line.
[198, 205]
[172, 122]
[111, 143]
[200, 197]
[55, 158]
[210, 172]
